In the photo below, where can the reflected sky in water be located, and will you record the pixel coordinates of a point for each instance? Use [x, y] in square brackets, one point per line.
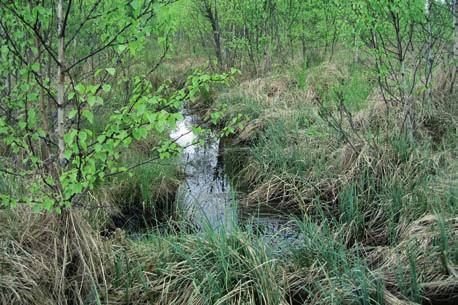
[206, 192]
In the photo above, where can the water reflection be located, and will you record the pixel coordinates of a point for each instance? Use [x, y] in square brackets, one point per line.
[206, 193]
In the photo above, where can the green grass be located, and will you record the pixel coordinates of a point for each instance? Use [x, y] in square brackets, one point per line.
[12, 185]
[146, 196]
[362, 202]
[243, 267]
[211, 267]
[372, 223]
[383, 185]
[143, 197]
[5, 185]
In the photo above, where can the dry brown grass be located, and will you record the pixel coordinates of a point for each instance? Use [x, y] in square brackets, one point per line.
[374, 115]
[418, 259]
[324, 77]
[48, 259]
[279, 91]
[423, 243]
[197, 269]
[422, 240]
[287, 195]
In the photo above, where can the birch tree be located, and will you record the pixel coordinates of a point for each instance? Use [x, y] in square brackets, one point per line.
[60, 60]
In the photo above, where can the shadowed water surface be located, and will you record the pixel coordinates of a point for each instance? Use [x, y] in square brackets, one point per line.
[206, 193]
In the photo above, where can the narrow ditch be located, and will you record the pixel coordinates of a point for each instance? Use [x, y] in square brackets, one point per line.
[206, 194]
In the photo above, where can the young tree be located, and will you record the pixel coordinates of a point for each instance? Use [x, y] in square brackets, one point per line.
[455, 23]
[209, 10]
[59, 60]
[388, 29]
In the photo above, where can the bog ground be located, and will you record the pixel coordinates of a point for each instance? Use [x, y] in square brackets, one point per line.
[244, 152]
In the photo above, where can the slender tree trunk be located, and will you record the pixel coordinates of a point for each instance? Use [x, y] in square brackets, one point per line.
[303, 42]
[455, 53]
[46, 152]
[429, 55]
[217, 39]
[304, 49]
[267, 58]
[455, 23]
[212, 16]
[405, 98]
[291, 46]
[356, 52]
[406, 101]
[60, 131]
[333, 43]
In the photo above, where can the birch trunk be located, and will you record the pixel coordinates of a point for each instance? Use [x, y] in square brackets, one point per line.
[60, 131]
[429, 65]
[455, 21]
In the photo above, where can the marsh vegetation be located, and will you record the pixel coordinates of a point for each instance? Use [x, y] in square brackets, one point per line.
[268, 152]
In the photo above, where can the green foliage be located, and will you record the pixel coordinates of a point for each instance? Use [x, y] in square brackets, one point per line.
[315, 134]
[89, 152]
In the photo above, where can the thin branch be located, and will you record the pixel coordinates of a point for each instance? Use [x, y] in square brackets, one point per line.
[88, 17]
[67, 12]
[17, 53]
[110, 43]
[36, 32]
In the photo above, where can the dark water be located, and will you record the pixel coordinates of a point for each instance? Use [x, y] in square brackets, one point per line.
[206, 194]
[208, 197]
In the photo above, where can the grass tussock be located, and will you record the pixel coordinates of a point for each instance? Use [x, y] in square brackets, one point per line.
[49, 259]
[352, 168]
[374, 213]
[208, 268]
[213, 267]
[146, 199]
[411, 272]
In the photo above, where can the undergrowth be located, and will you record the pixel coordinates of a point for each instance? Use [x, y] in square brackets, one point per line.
[374, 215]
